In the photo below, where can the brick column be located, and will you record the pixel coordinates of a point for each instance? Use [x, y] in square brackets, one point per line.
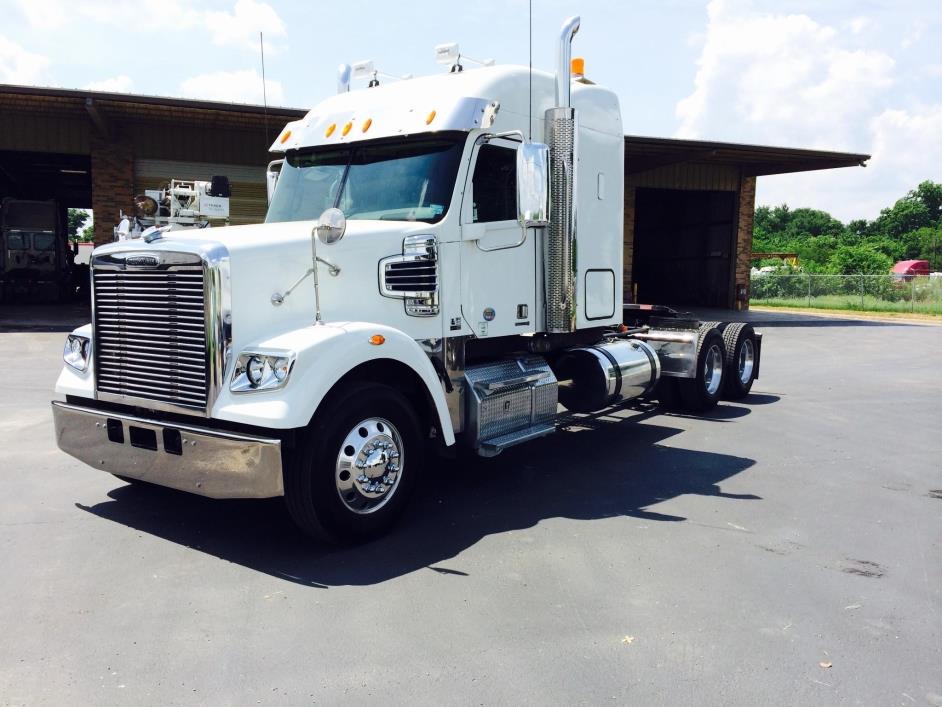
[628, 237]
[747, 207]
[112, 183]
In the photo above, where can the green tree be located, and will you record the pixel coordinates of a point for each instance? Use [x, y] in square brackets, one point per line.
[859, 260]
[929, 194]
[904, 216]
[76, 219]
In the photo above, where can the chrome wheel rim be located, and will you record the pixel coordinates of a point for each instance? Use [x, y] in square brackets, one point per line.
[747, 361]
[713, 370]
[369, 465]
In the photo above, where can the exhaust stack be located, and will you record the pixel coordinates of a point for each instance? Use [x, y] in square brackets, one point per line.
[560, 244]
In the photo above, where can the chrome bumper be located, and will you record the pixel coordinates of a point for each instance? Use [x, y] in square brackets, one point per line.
[195, 459]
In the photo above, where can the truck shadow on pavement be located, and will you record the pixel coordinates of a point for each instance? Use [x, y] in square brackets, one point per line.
[594, 467]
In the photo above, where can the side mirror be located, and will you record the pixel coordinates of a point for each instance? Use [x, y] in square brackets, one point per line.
[330, 226]
[271, 177]
[533, 184]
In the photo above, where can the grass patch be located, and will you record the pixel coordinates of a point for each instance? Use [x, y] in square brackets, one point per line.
[852, 303]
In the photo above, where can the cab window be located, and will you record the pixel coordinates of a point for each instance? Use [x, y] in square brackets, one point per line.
[494, 184]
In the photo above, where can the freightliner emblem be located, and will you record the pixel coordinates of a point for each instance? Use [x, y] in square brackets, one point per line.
[142, 261]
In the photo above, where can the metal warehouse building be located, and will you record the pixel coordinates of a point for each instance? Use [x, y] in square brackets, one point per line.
[688, 204]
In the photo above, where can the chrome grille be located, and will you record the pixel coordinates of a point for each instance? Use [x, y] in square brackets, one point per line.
[411, 276]
[150, 334]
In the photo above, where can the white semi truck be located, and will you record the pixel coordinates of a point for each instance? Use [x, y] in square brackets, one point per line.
[440, 267]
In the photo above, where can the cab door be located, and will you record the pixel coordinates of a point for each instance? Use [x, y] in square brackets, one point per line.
[498, 255]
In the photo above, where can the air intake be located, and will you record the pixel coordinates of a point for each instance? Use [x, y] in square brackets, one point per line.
[413, 276]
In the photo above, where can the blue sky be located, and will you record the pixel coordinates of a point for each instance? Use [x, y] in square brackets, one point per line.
[862, 76]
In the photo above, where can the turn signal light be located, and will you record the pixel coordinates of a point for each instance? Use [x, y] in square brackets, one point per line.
[377, 339]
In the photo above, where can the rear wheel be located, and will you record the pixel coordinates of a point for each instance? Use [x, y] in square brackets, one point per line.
[742, 355]
[356, 466]
[702, 392]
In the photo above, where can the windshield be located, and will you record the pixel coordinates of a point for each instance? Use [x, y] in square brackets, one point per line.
[408, 180]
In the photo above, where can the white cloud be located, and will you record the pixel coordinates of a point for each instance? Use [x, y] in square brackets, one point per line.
[780, 78]
[116, 84]
[18, 65]
[238, 27]
[239, 86]
[789, 79]
[905, 151]
[906, 144]
[859, 24]
[241, 26]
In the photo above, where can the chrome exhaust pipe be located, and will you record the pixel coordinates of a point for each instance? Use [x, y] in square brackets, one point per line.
[564, 59]
[559, 255]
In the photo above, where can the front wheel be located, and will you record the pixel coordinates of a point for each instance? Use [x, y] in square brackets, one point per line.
[356, 464]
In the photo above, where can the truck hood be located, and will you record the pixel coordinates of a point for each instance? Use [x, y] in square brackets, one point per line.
[262, 260]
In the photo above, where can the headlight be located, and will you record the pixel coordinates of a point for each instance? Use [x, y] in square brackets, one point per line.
[257, 370]
[76, 351]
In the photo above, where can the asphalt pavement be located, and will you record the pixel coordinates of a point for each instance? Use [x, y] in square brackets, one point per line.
[783, 550]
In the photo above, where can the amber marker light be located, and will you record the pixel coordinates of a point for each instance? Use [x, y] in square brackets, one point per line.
[285, 136]
[367, 124]
[330, 129]
[346, 129]
[431, 117]
[377, 339]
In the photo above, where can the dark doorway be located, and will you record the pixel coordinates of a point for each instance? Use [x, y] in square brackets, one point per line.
[684, 247]
[42, 176]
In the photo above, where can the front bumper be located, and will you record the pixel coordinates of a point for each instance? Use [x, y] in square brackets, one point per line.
[207, 462]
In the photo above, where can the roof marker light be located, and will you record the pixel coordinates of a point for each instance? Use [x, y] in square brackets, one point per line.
[346, 129]
[330, 129]
[367, 124]
[285, 136]
[431, 117]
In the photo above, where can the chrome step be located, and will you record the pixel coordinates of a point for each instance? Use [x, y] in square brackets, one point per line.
[493, 447]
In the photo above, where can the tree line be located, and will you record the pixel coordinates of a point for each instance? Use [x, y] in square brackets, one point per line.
[911, 229]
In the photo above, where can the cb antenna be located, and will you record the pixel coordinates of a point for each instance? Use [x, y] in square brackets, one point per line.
[261, 44]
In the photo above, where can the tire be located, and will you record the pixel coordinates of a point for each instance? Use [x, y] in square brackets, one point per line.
[331, 500]
[702, 392]
[741, 360]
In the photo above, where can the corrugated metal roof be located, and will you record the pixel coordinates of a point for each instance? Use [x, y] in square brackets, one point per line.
[647, 153]
[82, 94]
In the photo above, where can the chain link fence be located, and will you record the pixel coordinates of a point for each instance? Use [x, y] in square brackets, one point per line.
[879, 293]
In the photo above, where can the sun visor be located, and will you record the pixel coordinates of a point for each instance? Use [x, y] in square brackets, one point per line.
[350, 121]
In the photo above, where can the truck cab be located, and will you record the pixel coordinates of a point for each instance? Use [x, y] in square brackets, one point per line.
[440, 268]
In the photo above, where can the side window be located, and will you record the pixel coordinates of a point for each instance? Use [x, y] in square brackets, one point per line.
[494, 184]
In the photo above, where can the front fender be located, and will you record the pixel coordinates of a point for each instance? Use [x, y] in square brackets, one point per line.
[325, 353]
[79, 383]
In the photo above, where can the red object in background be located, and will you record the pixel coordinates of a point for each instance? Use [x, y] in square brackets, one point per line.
[907, 269]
